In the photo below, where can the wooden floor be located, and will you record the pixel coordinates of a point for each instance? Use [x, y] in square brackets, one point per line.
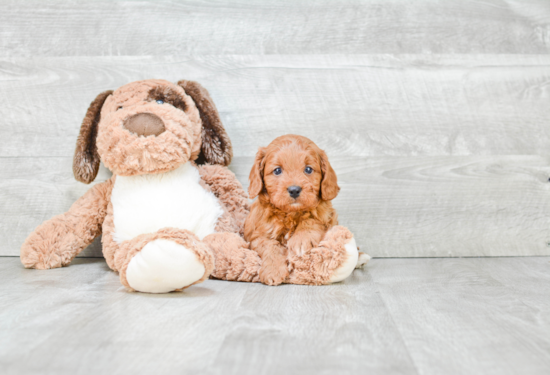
[397, 316]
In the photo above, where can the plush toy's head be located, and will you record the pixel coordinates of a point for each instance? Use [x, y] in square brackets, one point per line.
[150, 126]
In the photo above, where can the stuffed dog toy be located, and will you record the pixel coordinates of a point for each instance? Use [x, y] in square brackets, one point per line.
[292, 225]
[172, 210]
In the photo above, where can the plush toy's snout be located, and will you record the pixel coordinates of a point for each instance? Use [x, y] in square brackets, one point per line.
[145, 124]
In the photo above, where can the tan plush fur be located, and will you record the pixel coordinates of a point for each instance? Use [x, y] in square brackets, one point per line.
[234, 260]
[317, 265]
[128, 154]
[188, 129]
[223, 183]
[296, 237]
[57, 241]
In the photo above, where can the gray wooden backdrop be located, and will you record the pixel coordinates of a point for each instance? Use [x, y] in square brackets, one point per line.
[435, 114]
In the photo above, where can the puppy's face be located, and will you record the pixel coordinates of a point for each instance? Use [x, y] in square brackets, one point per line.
[294, 174]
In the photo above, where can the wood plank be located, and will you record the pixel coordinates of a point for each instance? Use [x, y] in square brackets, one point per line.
[115, 28]
[457, 315]
[337, 329]
[352, 105]
[79, 317]
[397, 316]
[396, 206]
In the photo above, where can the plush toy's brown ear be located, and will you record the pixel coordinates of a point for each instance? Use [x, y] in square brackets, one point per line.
[216, 146]
[329, 183]
[256, 177]
[86, 158]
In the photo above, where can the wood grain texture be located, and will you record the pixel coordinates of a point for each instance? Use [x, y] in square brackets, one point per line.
[81, 320]
[114, 28]
[353, 105]
[457, 315]
[396, 206]
[397, 316]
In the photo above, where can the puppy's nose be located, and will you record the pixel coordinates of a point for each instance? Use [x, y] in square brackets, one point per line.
[294, 191]
[144, 124]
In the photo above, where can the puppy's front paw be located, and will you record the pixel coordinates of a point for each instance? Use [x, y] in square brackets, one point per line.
[301, 244]
[273, 273]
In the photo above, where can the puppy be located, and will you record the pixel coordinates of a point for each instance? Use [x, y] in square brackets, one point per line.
[295, 184]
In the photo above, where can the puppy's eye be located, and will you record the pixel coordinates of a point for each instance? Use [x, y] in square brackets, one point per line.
[160, 101]
[119, 108]
[308, 170]
[277, 171]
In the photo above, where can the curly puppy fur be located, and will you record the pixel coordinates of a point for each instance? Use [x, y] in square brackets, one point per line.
[286, 231]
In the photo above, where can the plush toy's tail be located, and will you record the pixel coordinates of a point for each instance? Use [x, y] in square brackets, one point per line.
[234, 260]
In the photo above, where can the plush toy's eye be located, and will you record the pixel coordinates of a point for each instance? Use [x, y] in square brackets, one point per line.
[277, 171]
[160, 101]
[309, 170]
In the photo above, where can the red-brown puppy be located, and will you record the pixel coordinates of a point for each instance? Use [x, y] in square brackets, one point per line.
[295, 184]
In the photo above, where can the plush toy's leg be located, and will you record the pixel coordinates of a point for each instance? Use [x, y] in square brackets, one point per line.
[53, 244]
[57, 241]
[234, 260]
[168, 260]
[332, 261]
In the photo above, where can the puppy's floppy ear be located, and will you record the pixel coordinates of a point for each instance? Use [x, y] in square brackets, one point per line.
[329, 183]
[256, 177]
[86, 158]
[216, 146]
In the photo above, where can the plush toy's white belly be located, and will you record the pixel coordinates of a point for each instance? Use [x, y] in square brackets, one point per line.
[147, 203]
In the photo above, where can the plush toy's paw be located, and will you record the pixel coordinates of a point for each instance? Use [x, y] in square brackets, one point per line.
[234, 260]
[51, 245]
[163, 266]
[362, 259]
[39, 259]
[165, 261]
[347, 267]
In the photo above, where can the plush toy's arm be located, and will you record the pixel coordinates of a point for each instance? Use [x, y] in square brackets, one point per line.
[224, 185]
[57, 241]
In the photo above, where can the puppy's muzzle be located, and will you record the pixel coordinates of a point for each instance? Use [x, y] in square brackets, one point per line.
[294, 191]
[145, 124]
